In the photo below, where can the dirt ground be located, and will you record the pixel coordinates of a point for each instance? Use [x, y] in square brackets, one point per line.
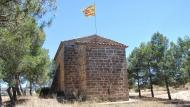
[179, 99]
[178, 94]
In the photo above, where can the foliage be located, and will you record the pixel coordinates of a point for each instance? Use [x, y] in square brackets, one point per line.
[158, 62]
[16, 10]
[13, 47]
[1, 68]
[185, 55]
[35, 68]
[21, 40]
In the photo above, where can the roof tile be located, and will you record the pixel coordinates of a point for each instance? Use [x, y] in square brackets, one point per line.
[97, 40]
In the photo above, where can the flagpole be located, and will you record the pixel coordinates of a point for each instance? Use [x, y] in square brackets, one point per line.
[96, 30]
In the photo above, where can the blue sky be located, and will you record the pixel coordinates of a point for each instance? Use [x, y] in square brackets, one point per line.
[127, 21]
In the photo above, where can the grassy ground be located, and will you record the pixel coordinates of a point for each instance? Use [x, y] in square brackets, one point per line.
[36, 102]
[180, 98]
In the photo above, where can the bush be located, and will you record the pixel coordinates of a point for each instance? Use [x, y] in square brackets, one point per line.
[38, 91]
[44, 92]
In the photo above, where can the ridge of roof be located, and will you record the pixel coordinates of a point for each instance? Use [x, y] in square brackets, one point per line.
[97, 40]
[92, 39]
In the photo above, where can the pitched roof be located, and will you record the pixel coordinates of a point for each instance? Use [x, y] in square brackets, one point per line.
[93, 39]
[97, 40]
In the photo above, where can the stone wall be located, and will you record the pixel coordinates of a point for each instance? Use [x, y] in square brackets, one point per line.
[93, 71]
[71, 70]
[106, 73]
[58, 81]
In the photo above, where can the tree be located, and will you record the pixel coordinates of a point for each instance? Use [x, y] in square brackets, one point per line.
[147, 65]
[132, 67]
[159, 46]
[12, 50]
[15, 10]
[36, 68]
[161, 62]
[24, 21]
[14, 45]
[184, 45]
[174, 64]
[35, 64]
[1, 76]
[136, 68]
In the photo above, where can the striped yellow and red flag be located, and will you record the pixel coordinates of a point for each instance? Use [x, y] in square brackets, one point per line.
[90, 10]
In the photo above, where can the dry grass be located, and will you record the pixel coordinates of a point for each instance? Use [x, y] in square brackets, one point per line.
[37, 102]
[159, 92]
[181, 98]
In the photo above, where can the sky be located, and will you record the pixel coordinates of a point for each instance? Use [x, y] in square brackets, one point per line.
[126, 21]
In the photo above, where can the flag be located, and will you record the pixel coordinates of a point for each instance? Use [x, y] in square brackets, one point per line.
[90, 10]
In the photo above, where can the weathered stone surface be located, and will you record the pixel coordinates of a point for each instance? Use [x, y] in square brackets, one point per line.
[106, 72]
[92, 71]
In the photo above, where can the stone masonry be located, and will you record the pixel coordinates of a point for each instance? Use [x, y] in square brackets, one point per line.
[91, 67]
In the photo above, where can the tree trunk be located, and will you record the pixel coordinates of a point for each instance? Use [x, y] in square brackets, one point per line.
[167, 87]
[9, 93]
[21, 89]
[17, 90]
[138, 80]
[151, 85]
[10, 96]
[17, 86]
[0, 97]
[30, 88]
[14, 93]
